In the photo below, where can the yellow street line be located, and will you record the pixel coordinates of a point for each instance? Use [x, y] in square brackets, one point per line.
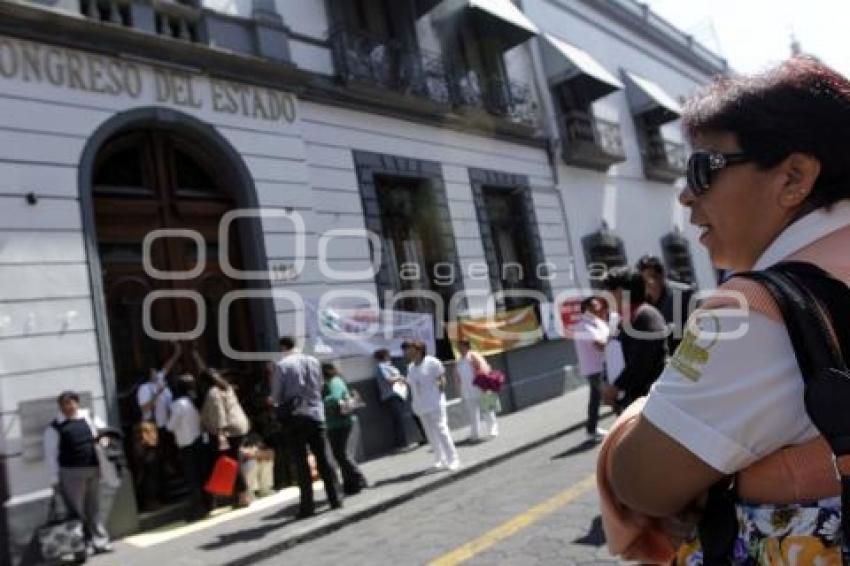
[511, 527]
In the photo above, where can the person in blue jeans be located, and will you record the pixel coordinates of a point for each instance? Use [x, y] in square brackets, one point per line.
[395, 395]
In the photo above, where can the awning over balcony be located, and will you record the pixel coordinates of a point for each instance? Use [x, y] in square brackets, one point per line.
[566, 62]
[492, 18]
[649, 99]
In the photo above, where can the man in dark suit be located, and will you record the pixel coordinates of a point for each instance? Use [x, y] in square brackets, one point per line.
[643, 336]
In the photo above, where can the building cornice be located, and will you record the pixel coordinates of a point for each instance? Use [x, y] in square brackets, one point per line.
[61, 28]
[639, 19]
[44, 25]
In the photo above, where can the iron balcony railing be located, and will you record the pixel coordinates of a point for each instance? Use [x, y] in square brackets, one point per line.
[388, 63]
[171, 18]
[177, 20]
[667, 154]
[116, 12]
[585, 127]
[496, 95]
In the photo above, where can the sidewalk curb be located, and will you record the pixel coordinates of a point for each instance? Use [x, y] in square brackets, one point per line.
[344, 520]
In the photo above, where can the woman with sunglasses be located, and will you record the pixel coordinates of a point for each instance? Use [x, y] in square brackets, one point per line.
[769, 180]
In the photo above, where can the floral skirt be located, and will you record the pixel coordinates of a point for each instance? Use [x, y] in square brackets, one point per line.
[781, 535]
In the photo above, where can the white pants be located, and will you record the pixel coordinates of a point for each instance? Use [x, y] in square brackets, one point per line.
[473, 411]
[436, 428]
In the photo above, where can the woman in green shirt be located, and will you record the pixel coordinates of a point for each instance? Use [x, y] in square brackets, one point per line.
[339, 429]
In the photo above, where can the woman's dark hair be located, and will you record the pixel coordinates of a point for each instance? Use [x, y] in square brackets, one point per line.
[650, 262]
[586, 303]
[286, 342]
[418, 345]
[68, 396]
[801, 106]
[184, 386]
[210, 378]
[329, 369]
[628, 280]
[382, 354]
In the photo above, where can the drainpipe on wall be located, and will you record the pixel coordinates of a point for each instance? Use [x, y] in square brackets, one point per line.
[553, 138]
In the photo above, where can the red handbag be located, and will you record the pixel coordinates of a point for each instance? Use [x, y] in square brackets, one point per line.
[490, 381]
[223, 477]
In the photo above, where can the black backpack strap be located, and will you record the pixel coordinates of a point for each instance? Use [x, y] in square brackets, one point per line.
[814, 306]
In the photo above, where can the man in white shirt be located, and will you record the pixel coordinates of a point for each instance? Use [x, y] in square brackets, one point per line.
[591, 335]
[185, 424]
[154, 396]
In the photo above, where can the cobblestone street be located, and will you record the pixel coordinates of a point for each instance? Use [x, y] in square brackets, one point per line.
[527, 497]
[428, 528]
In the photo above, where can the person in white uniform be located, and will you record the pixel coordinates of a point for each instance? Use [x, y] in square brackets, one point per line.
[470, 363]
[426, 378]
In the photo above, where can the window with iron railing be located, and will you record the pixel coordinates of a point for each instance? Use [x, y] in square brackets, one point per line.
[665, 153]
[589, 141]
[495, 94]
[386, 62]
[584, 127]
[479, 78]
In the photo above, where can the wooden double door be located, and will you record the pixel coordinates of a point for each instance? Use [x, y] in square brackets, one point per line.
[149, 180]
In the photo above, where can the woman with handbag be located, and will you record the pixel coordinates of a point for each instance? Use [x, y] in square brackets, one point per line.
[470, 364]
[223, 418]
[74, 467]
[340, 405]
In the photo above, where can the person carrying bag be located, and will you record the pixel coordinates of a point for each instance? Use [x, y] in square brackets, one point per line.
[61, 538]
[77, 467]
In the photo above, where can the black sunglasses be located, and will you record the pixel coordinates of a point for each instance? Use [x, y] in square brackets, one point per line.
[701, 164]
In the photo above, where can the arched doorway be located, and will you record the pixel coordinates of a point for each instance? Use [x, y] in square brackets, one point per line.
[156, 169]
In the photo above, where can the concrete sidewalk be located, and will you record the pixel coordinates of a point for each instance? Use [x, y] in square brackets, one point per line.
[266, 528]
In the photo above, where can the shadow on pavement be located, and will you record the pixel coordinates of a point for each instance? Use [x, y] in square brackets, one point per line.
[401, 479]
[285, 512]
[245, 535]
[577, 449]
[595, 535]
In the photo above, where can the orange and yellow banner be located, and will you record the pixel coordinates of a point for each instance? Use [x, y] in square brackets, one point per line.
[498, 332]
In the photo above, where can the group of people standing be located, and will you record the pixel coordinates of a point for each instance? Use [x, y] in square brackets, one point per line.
[194, 421]
[622, 343]
[424, 388]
